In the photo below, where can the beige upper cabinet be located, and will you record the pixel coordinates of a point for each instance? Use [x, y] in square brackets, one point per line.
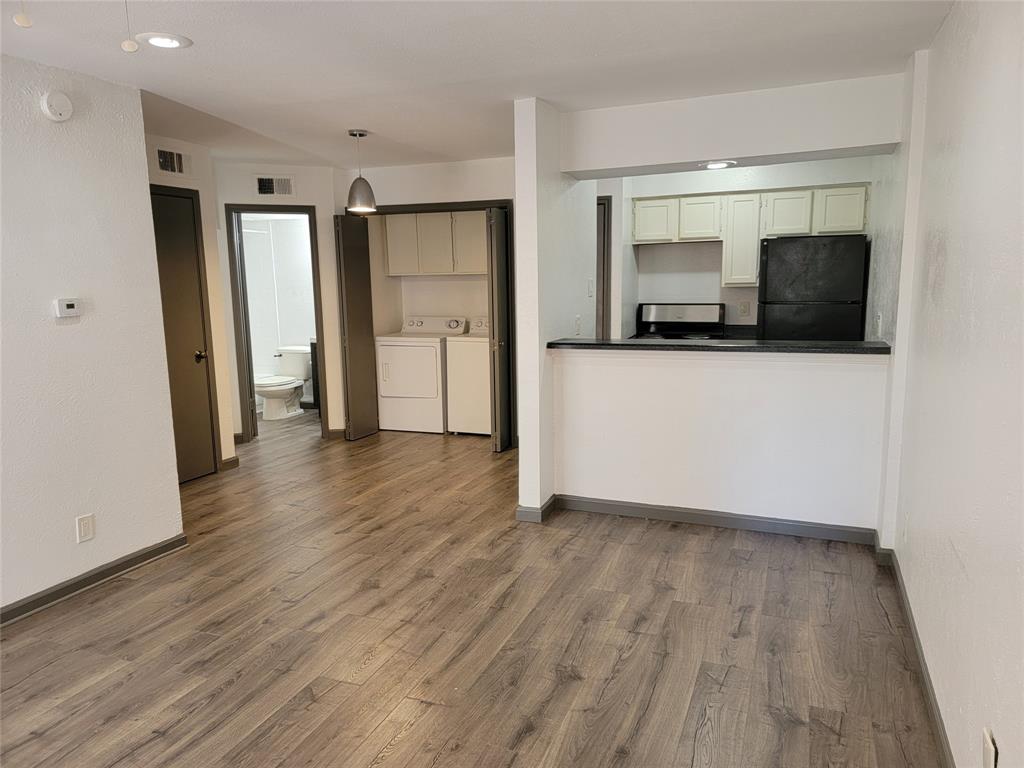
[741, 245]
[469, 236]
[655, 220]
[700, 218]
[434, 234]
[786, 213]
[839, 209]
[402, 245]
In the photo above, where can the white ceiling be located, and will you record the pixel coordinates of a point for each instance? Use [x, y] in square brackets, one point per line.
[435, 81]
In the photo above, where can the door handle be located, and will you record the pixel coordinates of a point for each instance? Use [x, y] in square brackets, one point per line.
[200, 355]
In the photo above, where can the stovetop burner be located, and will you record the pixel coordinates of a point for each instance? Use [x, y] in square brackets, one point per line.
[681, 321]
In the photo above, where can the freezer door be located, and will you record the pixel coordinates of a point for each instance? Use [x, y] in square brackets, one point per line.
[811, 322]
[810, 269]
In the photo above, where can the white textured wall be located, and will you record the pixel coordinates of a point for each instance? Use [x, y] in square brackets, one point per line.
[86, 423]
[487, 179]
[236, 184]
[841, 117]
[961, 538]
[771, 435]
[202, 180]
[556, 255]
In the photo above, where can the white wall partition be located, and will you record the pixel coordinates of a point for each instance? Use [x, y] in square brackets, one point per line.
[236, 184]
[960, 536]
[789, 436]
[556, 262]
[200, 178]
[86, 424]
[860, 116]
[488, 179]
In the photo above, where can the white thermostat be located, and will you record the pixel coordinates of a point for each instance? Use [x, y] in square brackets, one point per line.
[56, 106]
[67, 307]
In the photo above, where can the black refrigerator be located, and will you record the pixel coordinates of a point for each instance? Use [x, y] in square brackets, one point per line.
[813, 288]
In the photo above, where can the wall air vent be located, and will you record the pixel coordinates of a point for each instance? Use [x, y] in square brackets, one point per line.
[274, 185]
[169, 161]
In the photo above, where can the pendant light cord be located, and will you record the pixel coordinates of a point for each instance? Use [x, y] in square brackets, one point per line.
[359, 158]
[127, 20]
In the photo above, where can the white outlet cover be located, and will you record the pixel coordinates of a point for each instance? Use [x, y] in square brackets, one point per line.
[85, 527]
[56, 106]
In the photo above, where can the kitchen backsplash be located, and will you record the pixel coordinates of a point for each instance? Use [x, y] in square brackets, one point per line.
[691, 272]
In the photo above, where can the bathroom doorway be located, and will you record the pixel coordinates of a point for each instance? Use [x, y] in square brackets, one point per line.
[275, 284]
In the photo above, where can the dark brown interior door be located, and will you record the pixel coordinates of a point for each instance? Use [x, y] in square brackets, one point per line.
[359, 352]
[179, 255]
[502, 421]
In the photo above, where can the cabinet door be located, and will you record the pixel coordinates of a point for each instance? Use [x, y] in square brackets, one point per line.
[700, 218]
[434, 234]
[786, 213]
[403, 250]
[469, 236]
[655, 220]
[839, 209]
[740, 240]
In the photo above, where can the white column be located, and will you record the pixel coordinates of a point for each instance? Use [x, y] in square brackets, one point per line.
[556, 265]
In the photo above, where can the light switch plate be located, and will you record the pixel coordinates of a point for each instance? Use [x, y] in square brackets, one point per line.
[744, 309]
[85, 527]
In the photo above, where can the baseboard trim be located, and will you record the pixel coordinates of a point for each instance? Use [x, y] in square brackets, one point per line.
[536, 514]
[719, 519]
[335, 434]
[229, 463]
[239, 438]
[19, 609]
[945, 752]
[883, 555]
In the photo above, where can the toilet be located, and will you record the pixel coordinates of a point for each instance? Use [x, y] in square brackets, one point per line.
[282, 391]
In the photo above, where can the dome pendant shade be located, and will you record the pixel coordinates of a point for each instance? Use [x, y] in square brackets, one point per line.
[360, 197]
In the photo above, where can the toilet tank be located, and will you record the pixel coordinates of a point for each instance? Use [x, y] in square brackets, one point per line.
[294, 361]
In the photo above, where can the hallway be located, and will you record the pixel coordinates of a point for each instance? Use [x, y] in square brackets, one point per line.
[375, 603]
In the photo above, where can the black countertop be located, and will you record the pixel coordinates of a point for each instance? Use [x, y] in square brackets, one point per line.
[728, 345]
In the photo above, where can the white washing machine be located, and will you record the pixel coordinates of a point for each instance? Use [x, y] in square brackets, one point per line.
[468, 365]
[411, 374]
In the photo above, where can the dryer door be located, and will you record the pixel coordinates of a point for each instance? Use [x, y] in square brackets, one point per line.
[404, 370]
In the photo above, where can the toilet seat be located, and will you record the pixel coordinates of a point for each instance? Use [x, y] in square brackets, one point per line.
[275, 382]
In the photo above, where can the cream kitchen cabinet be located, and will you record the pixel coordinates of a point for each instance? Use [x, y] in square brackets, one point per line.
[700, 218]
[741, 245]
[402, 246]
[434, 238]
[839, 209]
[786, 212]
[469, 237]
[656, 220]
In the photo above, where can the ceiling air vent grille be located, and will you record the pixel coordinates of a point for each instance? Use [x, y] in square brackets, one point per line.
[274, 185]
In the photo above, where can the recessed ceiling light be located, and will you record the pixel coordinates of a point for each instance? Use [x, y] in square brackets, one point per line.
[164, 39]
[715, 165]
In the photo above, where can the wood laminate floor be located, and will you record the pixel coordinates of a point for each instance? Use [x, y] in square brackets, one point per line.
[376, 604]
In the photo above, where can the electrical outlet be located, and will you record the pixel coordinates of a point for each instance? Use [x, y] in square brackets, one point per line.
[878, 324]
[989, 750]
[590, 287]
[579, 325]
[85, 527]
[744, 309]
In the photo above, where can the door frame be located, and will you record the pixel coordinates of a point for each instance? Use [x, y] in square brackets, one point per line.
[240, 310]
[483, 205]
[604, 262]
[220, 463]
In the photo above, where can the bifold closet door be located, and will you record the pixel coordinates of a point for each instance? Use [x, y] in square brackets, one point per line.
[359, 355]
[500, 274]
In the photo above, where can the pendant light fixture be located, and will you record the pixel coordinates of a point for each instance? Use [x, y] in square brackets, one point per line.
[22, 19]
[128, 45]
[360, 195]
